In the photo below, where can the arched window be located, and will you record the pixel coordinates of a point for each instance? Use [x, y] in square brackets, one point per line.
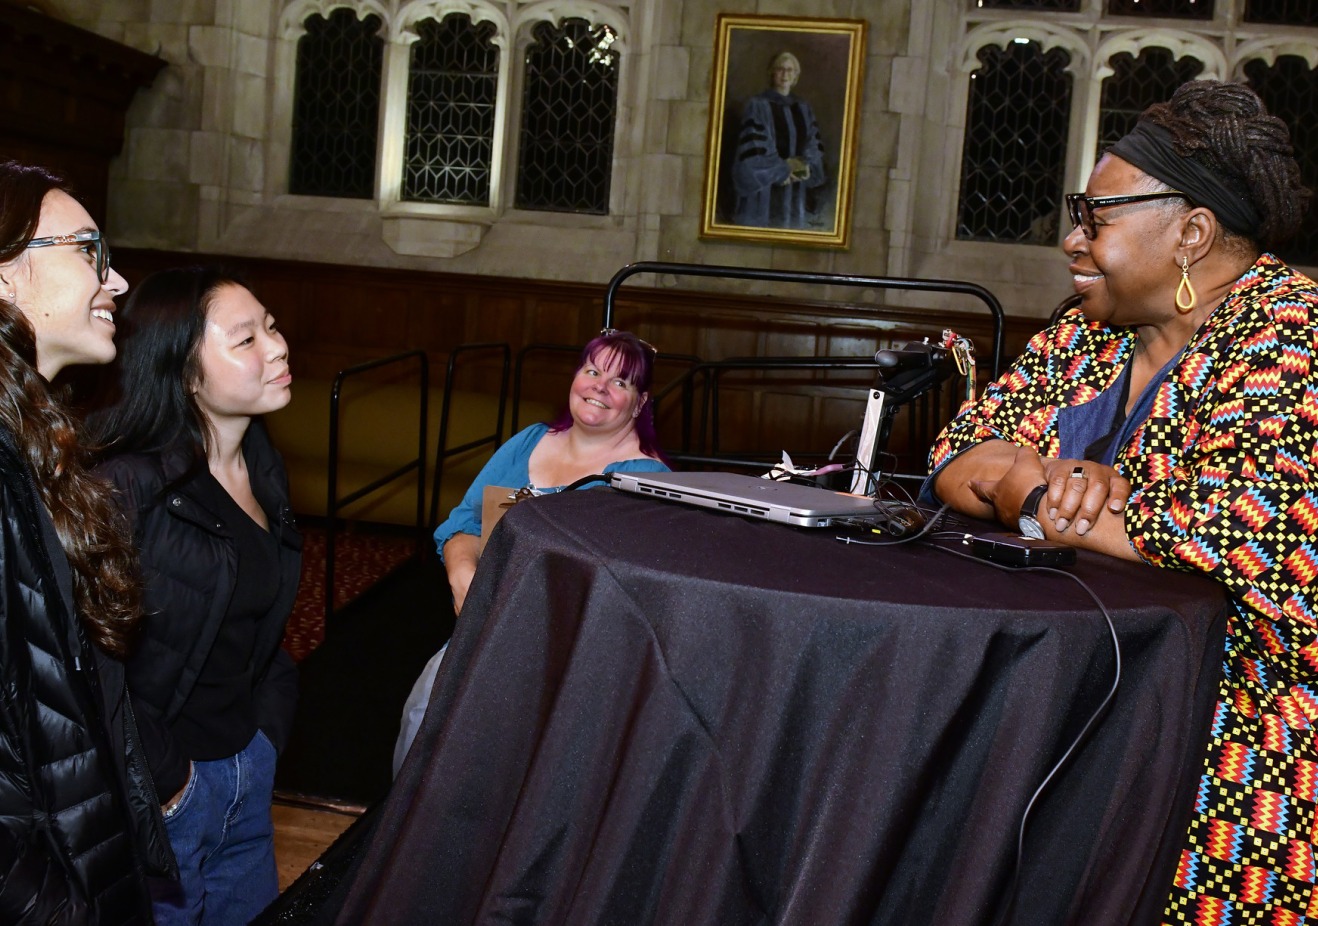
[452, 84]
[565, 154]
[336, 106]
[1136, 83]
[1014, 156]
[1034, 121]
[437, 76]
[1289, 88]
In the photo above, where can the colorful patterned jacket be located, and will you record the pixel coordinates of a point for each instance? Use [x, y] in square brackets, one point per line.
[1223, 468]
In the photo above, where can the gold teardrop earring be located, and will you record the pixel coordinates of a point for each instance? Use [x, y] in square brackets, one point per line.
[1186, 297]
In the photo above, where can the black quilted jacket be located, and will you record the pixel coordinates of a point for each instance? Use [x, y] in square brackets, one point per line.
[79, 819]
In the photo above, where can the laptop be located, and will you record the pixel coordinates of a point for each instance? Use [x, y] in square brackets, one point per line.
[784, 502]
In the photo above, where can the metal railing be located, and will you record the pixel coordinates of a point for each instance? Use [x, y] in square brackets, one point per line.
[517, 374]
[956, 287]
[522, 355]
[921, 413]
[335, 503]
[705, 447]
[444, 452]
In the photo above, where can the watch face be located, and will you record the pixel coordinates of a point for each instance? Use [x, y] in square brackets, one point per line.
[1028, 520]
[1030, 527]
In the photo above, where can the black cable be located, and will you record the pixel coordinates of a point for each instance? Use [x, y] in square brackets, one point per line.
[931, 522]
[587, 480]
[1084, 731]
[905, 492]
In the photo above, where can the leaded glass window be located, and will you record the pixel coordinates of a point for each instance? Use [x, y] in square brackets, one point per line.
[452, 83]
[1289, 89]
[1064, 6]
[1167, 9]
[336, 106]
[565, 151]
[1014, 157]
[1136, 84]
[1282, 12]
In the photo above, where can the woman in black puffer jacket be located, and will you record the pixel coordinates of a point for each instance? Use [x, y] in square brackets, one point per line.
[80, 821]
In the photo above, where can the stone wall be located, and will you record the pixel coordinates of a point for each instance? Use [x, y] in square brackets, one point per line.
[205, 162]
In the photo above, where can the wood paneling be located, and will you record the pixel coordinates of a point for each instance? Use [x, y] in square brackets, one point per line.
[335, 316]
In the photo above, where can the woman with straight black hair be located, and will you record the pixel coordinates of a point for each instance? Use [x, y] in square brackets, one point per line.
[201, 361]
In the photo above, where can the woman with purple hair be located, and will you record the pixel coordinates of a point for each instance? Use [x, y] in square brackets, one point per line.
[607, 426]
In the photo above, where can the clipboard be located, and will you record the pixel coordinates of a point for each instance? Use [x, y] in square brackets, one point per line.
[495, 502]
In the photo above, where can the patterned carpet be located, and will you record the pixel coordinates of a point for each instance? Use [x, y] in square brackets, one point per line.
[362, 557]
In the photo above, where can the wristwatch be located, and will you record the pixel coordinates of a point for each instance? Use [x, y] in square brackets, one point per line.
[1028, 524]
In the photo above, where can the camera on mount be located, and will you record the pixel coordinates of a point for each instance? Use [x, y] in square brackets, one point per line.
[905, 374]
[908, 372]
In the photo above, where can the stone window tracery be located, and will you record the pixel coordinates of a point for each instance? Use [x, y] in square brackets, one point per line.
[468, 96]
[452, 93]
[336, 106]
[1113, 70]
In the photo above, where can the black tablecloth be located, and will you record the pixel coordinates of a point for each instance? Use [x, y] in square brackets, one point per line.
[656, 714]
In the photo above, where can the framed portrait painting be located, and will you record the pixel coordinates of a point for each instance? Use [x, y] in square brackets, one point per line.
[783, 112]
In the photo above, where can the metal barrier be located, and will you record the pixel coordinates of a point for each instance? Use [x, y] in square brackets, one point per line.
[334, 503]
[443, 452]
[517, 374]
[684, 381]
[956, 287]
[660, 356]
[711, 371]
[923, 411]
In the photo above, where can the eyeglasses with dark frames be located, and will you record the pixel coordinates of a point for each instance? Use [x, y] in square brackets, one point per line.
[100, 248]
[1080, 208]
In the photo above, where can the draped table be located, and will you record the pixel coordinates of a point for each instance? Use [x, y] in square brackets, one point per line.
[651, 713]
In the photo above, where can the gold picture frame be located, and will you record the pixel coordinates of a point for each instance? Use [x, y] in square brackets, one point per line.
[765, 179]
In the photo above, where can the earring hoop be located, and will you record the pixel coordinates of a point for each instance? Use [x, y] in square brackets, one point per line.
[1186, 297]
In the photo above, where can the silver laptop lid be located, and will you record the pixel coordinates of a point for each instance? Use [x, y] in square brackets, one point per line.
[785, 502]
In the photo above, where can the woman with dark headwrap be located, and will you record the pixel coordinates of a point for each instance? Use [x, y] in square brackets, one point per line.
[1172, 417]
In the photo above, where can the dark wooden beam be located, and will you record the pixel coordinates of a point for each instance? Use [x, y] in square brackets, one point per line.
[64, 97]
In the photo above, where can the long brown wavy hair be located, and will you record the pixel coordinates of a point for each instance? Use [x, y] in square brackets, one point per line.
[106, 586]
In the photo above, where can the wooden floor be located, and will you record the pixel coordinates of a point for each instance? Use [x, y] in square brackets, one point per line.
[304, 830]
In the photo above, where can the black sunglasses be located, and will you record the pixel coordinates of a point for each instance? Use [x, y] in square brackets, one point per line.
[1080, 208]
[100, 248]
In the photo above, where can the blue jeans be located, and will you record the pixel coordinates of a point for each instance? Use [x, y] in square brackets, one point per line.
[224, 839]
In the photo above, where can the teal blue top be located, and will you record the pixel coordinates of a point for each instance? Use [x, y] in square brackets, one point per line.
[510, 467]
